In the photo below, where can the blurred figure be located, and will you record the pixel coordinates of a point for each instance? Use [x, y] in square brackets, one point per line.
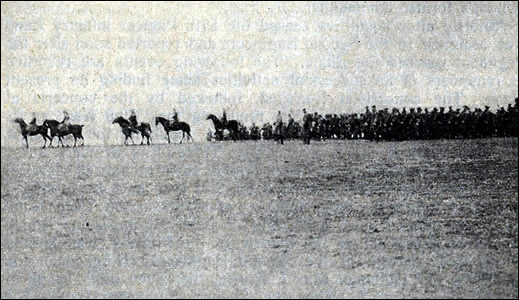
[175, 116]
[307, 125]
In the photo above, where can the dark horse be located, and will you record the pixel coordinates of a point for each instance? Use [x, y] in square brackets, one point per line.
[126, 128]
[55, 130]
[31, 130]
[232, 126]
[174, 126]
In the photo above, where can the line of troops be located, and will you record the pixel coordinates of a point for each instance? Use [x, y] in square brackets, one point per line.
[393, 125]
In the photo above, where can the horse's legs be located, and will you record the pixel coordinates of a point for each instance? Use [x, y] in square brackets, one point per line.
[44, 141]
[183, 135]
[133, 142]
[26, 142]
[190, 137]
[75, 140]
[169, 141]
[126, 140]
[142, 138]
[62, 144]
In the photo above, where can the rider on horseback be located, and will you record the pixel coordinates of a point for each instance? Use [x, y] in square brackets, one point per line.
[224, 119]
[133, 120]
[64, 125]
[32, 125]
[175, 116]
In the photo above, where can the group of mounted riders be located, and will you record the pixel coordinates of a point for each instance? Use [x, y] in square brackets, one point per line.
[59, 129]
[132, 126]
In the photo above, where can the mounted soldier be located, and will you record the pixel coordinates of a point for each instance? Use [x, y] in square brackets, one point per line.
[224, 119]
[64, 125]
[175, 116]
[133, 120]
[32, 127]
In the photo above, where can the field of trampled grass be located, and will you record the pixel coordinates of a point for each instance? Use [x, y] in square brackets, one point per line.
[256, 219]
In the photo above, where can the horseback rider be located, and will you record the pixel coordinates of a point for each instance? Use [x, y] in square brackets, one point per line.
[32, 125]
[224, 119]
[175, 116]
[33, 121]
[64, 125]
[133, 120]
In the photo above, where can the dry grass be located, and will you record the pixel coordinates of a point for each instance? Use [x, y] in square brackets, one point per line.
[334, 219]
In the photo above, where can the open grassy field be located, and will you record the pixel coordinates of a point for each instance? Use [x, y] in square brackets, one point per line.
[256, 219]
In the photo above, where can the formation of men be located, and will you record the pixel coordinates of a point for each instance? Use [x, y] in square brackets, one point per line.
[398, 125]
[375, 124]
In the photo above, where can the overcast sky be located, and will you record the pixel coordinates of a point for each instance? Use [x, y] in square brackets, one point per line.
[100, 60]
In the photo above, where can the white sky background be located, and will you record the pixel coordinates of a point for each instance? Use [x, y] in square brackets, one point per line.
[100, 60]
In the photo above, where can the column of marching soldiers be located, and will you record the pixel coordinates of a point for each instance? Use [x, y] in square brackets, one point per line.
[393, 125]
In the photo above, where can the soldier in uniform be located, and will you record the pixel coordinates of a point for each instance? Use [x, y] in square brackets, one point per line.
[175, 116]
[32, 125]
[307, 125]
[33, 121]
[290, 127]
[224, 118]
[133, 120]
[278, 131]
[65, 123]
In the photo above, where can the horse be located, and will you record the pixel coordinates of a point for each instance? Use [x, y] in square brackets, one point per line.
[232, 125]
[56, 130]
[174, 126]
[126, 128]
[31, 130]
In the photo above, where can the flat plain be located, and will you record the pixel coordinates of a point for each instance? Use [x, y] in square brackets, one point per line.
[339, 219]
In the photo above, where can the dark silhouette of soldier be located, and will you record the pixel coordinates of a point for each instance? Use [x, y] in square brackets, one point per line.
[175, 116]
[133, 120]
[307, 127]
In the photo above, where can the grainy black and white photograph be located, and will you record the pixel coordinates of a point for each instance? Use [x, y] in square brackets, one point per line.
[259, 149]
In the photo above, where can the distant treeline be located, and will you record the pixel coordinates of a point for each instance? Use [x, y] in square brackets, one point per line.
[392, 125]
